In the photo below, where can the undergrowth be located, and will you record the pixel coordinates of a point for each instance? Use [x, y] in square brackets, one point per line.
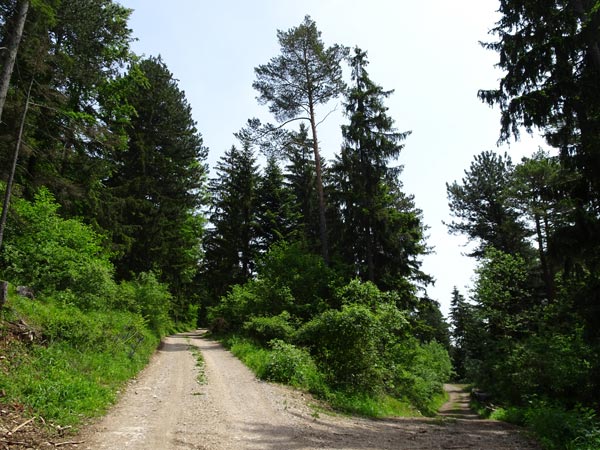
[71, 364]
[552, 425]
[288, 364]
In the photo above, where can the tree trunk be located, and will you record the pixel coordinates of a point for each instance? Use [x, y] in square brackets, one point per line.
[322, 218]
[13, 45]
[11, 175]
[3, 293]
[548, 278]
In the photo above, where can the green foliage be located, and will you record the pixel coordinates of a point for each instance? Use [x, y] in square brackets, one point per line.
[83, 359]
[483, 208]
[292, 365]
[555, 427]
[231, 244]
[53, 254]
[380, 233]
[150, 298]
[430, 367]
[157, 184]
[345, 345]
[254, 299]
[265, 329]
[305, 275]
[255, 357]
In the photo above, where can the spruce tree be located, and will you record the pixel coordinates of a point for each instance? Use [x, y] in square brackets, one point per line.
[231, 245]
[276, 213]
[158, 183]
[382, 233]
[300, 177]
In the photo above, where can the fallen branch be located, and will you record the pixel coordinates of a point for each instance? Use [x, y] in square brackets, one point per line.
[60, 444]
[9, 442]
[17, 428]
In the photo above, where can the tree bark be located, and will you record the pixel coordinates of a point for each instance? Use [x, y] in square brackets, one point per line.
[11, 175]
[548, 278]
[13, 46]
[321, 193]
[3, 292]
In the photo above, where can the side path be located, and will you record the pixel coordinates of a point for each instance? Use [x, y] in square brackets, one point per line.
[166, 408]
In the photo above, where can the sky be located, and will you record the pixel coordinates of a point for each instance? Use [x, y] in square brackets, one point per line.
[427, 51]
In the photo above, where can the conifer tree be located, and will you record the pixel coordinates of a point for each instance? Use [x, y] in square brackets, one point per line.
[382, 231]
[300, 176]
[276, 214]
[157, 185]
[231, 244]
[305, 75]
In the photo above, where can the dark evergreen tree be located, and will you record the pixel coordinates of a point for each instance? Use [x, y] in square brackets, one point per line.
[382, 233]
[276, 213]
[463, 331]
[300, 176]
[72, 50]
[158, 183]
[484, 208]
[550, 55]
[305, 75]
[231, 244]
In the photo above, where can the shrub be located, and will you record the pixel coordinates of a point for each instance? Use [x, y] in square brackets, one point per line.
[309, 281]
[265, 329]
[51, 254]
[344, 344]
[290, 364]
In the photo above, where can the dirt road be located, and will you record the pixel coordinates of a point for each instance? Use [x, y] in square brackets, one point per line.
[167, 409]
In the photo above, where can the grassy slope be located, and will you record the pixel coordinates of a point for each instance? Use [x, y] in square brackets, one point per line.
[65, 365]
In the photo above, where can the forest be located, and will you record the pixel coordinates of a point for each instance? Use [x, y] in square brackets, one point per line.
[308, 269]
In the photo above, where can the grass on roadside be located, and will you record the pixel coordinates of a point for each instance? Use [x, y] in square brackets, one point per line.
[74, 364]
[288, 364]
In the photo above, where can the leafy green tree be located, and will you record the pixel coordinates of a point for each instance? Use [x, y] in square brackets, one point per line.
[53, 254]
[305, 75]
[231, 244]
[483, 206]
[157, 184]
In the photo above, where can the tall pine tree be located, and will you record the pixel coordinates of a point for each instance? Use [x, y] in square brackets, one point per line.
[304, 76]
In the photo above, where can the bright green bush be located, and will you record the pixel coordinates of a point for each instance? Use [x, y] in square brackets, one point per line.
[52, 254]
[256, 298]
[153, 300]
[429, 369]
[555, 427]
[265, 329]
[309, 281]
[344, 344]
[290, 364]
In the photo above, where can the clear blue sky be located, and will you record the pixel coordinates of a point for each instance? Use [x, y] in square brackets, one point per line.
[427, 51]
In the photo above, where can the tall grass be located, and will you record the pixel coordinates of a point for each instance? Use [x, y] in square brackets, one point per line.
[77, 361]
